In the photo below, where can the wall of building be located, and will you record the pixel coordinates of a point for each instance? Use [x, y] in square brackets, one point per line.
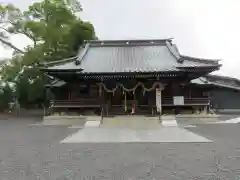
[225, 98]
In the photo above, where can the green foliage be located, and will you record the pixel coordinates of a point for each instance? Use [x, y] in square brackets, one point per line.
[5, 97]
[56, 32]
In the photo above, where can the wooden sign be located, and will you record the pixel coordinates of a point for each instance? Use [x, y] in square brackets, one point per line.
[158, 100]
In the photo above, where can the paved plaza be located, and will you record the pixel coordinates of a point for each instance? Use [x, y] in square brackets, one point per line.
[119, 135]
[200, 151]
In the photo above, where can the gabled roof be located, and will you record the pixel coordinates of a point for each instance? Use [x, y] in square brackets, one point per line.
[221, 81]
[115, 56]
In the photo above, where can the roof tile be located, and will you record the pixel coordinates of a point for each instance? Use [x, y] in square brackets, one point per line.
[134, 56]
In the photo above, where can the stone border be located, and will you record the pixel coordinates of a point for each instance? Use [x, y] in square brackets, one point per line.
[226, 110]
[197, 116]
[63, 117]
[69, 120]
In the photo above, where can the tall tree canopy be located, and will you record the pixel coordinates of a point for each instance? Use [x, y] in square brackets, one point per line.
[56, 32]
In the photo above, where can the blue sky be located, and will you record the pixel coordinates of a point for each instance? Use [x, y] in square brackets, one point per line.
[201, 28]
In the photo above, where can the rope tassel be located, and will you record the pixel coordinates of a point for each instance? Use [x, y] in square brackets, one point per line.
[160, 85]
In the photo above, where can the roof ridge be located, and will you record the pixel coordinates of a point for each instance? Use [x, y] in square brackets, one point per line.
[227, 86]
[223, 77]
[173, 52]
[199, 67]
[57, 62]
[202, 79]
[133, 42]
[204, 60]
[82, 53]
[217, 83]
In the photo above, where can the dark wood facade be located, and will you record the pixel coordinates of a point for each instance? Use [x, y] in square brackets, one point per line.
[128, 84]
[115, 100]
[224, 92]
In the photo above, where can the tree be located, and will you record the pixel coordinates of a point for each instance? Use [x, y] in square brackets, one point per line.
[56, 32]
[44, 22]
[9, 16]
[5, 97]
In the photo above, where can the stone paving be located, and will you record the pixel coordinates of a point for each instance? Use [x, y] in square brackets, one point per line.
[120, 135]
[35, 152]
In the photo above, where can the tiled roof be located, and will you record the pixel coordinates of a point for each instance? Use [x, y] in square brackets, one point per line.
[65, 64]
[221, 81]
[128, 59]
[200, 80]
[131, 56]
[56, 83]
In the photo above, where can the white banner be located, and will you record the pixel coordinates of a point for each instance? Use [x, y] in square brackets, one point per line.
[158, 100]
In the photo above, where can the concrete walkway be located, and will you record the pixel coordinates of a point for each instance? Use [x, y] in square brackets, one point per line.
[120, 135]
[141, 122]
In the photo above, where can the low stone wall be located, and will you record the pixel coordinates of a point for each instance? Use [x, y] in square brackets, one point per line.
[64, 117]
[23, 114]
[64, 120]
[69, 120]
[197, 116]
[226, 111]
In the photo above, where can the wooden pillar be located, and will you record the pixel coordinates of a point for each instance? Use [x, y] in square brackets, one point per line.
[134, 105]
[69, 95]
[101, 102]
[49, 98]
[125, 101]
[108, 102]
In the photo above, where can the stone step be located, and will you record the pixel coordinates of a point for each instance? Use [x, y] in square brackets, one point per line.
[69, 120]
[131, 122]
[56, 117]
[66, 122]
[169, 123]
[92, 124]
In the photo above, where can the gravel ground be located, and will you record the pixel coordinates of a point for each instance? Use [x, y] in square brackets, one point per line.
[195, 121]
[34, 152]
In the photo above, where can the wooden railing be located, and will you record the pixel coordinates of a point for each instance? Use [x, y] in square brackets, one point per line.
[187, 101]
[84, 103]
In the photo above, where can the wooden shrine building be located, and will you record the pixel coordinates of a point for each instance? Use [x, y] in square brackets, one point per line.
[128, 77]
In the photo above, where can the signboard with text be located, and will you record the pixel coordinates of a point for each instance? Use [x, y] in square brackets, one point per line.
[158, 100]
[178, 100]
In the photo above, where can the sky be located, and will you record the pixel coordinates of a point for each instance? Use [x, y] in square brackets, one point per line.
[200, 28]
